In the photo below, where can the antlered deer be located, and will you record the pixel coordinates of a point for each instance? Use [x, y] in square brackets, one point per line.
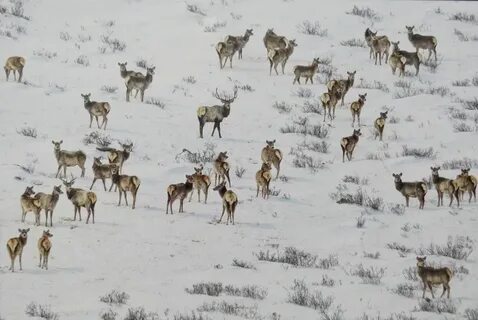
[80, 198]
[215, 113]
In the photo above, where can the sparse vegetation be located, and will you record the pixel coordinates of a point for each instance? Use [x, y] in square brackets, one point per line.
[369, 275]
[393, 316]
[97, 137]
[113, 44]
[115, 297]
[207, 288]
[303, 93]
[396, 208]
[313, 106]
[462, 126]
[458, 248]
[82, 60]
[361, 222]
[109, 314]
[312, 28]
[302, 126]
[464, 37]
[203, 156]
[253, 292]
[41, 311]
[327, 281]
[142, 63]
[155, 101]
[364, 12]
[45, 54]
[355, 179]
[371, 255]
[189, 79]
[464, 17]
[109, 89]
[457, 164]
[302, 160]
[243, 264]
[234, 309]
[28, 132]
[411, 274]
[377, 85]
[359, 197]
[195, 9]
[470, 104]
[317, 146]
[461, 83]
[405, 289]
[471, 314]
[437, 306]
[240, 171]
[353, 43]
[215, 26]
[140, 314]
[402, 250]
[298, 258]
[65, 36]
[282, 107]
[421, 153]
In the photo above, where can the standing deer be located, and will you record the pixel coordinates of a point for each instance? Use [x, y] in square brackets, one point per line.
[29, 203]
[379, 125]
[444, 185]
[226, 50]
[125, 74]
[68, 158]
[306, 72]
[102, 171]
[15, 248]
[342, 86]
[369, 36]
[80, 198]
[280, 55]
[221, 169]
[125, 183]
[96, 109]
[397, 61]
[431, 276]
[272, 155]
[179, 190]
[48, 203]
[44, 247]
[356, 108]
[118, 157]
[14, 64]
[348, 144]
[215, 113]
[329, 101]
[229, 202]
[468, 183]
[201, 182]
[412, 58]
[422, 42]
[380, 47]
[263, 179]
[139, 83]
[273, 41]
[411, 189]
[240, 41]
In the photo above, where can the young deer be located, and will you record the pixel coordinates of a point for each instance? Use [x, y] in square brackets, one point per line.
[306, 72]
[226, 50]
[221, 169]
[14, 64]
[342, 86]
[29, 203]
[467, 183]
[263, 179]
[431, 276]
[201, 182]
[240, 41]
[125, 183]
[329, 101]
[281, 56]
[397, 61]
[125, 74]
[15, 247]
[272, 155]
[444, 185]
[48, 202]
[96, 109]
[423, 42]
[215, 113]
[118, 157]
[379, 125]
[139, 83]
[102, 171]
[229, 202]
[44, 246]
[348, 144]
[68, 158]
[412, 58]
[411, 189]
[179, 190]
[380, 47]
[273, 41]
[356, 108]
[80, 198]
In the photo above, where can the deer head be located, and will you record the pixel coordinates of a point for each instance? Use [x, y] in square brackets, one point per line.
[86, 97]
[57, 145]
[47, 234]
[410, 29]
[398, 177]
[383, 115]
[271, 143]
[363, 97]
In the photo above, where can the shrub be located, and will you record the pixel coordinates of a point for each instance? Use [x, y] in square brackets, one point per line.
[327, 282]
[405, 289]
[142, 63]
[253, 292]
[470, 104]
[45, 54]
[364, 12]
[464, 17]
[195, 9]
[353, 43]
[463, 37]
[369, 275]
[377, 85]
[240, 171]
[317, 146]
[109, 89]
[355, 180]
[109, 314]
[457, 164]
[282, 107]
[233, 309]
[115, 297]
[410, 274]
[424, 153]
[343, 195]
[216, 25]
[471, 314]
[403, 250]
[461, 83]
[203, 156]
[432, 66]
[65, 36]
[312, 28]
[207, 288]
[140, 314]
[302, 126]
[437, 91]
[82, 60]
[292, 256]
[458, 248]
[313, 106]
[393, 316]
[360, 222]
[17, 9]
[458, 114]
[301, 160]
[113, 43]
[244, 87]
[393, 119]
[303, 93]
[437, 306]
[41, 311]
[98, 138]
[156, 102]
[187, 316]
[371, 255]
[28, 132]
[462, 126]
[190, 79]
[243, 264]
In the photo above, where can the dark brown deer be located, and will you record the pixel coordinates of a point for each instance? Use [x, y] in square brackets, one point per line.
[423, 42]
[431, 276]
[29, 203]
[179, 191]
[221, 169]
[409, 190]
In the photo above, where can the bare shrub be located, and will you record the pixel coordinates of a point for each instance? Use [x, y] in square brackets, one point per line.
[313, 106]
[115, 297]
[41, 311]
[406, 90]
[215, 26]
[317, 146]
[142, 63]
[421, 153]
[402, 250]
[458, 114]
[17, 9]
[140, 314]
[109, 89]
[462, 126]
[458, 248]
[248, 291]
[437, 306]
[301, 160]
[156, 102]
[461, 83]
[457, 164]
[109, 314]
[312, 28]
[464, 37]
[97, 137]
[189, 79]
[65, 36]
[233, 309]
[474, 80]
[43, 53]
[303, 93]
[405, 289]
[409, 118]
[464, 17]
[432, 65]
[327, 281]
[202, 156]
[437, 91]
[393, 119]
[207, 288]
[292, 256]
[377, 85]
[189, 316]
[470, 104]
[243, 264]
[393, 316]
[471, 314]
[282, 107]
[396, 208]
[359, 197]
[195, 9]
[369, 275]
[364, 12]
[240, 171]
[302, 126]
[371, 255]
[113, 44]
[379, 155]
[353, 43]
[410, 274]
[244, 87]
[82, 60]
[28, 132]
[355, 179]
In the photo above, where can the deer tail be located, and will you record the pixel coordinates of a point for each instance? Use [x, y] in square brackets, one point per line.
[92, 197]
[449, 273]
[136, 182]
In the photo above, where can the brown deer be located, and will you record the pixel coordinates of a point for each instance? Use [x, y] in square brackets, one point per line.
[226, 50]
[431, 276]
[229, 202]
[273, 41]
[423, 42]
[125, 74]
[342, 86]
[44, 247]
[467, 183]
[329, 101]
[96, 109]
[380, 47]
[379, 125]
[139, 83]
[215, 113]
[221, 169]
[263, 179]
[240, 41]
[80, 198]
[369, 37]
[102, 171]
[48, 202]
[444, 185]
[348, 144]
[68, 158]
[14, 64]
[411, 189]
[201, 182]
[272, 155]
[306, 72]
[15, 248]
[179, 190]
[29, 203]
[397, 61]
[280, 55]
[118, 157]
[125, 183]
[356, 108]
[411, 58]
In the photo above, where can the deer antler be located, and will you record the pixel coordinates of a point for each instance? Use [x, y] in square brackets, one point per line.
[225, 98]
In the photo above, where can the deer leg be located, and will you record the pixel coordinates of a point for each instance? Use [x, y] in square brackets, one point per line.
[448, 291]
[40, 265]
[435, 52]
[125, 198]
[358, 117]
[134, 198]
[407, 200]
[51, 218]
[104, 183]
[191, 196]
[230, 61]
[257, 193]
[295, 80]
[20, 72]
[223, 209]
[94, 180]
[214, 128]
[7, 72]
[82, 170]
[79, 212]
[142, 95]
[424, 289]
[199, 195]
[58, 171]
[311, 79]
[219, 129]
[15, 78]
[88, 216]
[64, 171]
[46, 217]
[119, 202]
[205, 194]
[431, 289]
[270, 69]
[111, 187]
[277, 166]
[376, 57]
[275, 68]
[444, 290]
[283, 65]
[20, 260]
[128, 92]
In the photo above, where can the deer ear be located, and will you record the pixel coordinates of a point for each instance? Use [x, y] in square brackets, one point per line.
[27, 230]
[438, 168]
[52, 141]
[400, 174]
[126, 63]
[274, 141]
[365, 95]
[20, 230]
[61, 141]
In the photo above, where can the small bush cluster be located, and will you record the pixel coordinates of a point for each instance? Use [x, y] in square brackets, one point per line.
[464, 17]
[232, 309]
[140, 313]
[437, 306]
[303, 93]
[282, 107]
[353, 43]
[470, 104]
[365, 12]
[372, 255]
[302, 126]
[45, 54]
[156, 102]
[457, 164]
[195, 9]
[403, 250]
[377, 85]
[203, 156]
[464, 37]
[359, 197]
[41, 311]
[115, 297]
[243, 264]
[113, 44]
[312, 28]
[302, 160]
[369, 275]
[405, 289]
[316, 146]
[240, 171]
[471, 314]
[393, 316]
[423, 153]
[82, 60]
[458, 248]
[298, 258]
[109, 89]
[355, 180]
[28, 132]
[109, 314]
[313, 106]
[97, 137]
[215, 26]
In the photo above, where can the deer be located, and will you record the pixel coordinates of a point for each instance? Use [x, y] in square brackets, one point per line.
[125, 74]
[356, 107]
[229, 202]
[280, 55]
[240, 41]
[139, 83]
[15, 248]
[221, 169]
[329, 101]
[409, 190]
[226, 50]
[215, 113]
[306, 72]
[468, 183]
[29, 203]
[80, 198]
[369, 36]
[96, 109]
[379, 125]
[422, 42]
[431, 276]
[397, 61]
[44, 247]
[272, 155]
[380, 47]
[273, 41]
[102, 171]
[348, 144]
[14, 64]
[201, 182]
[118, 157]
[68, 158]
[125, 183]
[48, 203]
[342, 86]
[444, 185]
[179, 190]
[263, 179]
[411, 58]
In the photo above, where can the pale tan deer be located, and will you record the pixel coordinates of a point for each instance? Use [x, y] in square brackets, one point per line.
[201, 182]
[409, 190]
[14, 64]
[48, 202]
[229, 202]
[263, 179]
[80, 198]
[125, 183]
[356, 108]
[348, 144]
[179, 191]
[29, 203]
[241, 41]
[306, 72]
[68, 158]
[342, 86]
[411, 58]
[96, 109]
[431, 276]
[380, 47]
[102, 171]
[281, 56]
[397, 61]
[15, 248]
[226, 50]
[467, 183]
[444, 185]
[44, 247]
[118, 157]
[221, 168]
[272, 155]
[139, 83]
[273, 41]
[329, 101]
[423, 42]
[369, 36]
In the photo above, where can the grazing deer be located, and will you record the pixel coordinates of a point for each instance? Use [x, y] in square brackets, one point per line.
[329, 101]
[44, 246]
[229, 202]
[139, 83]
[201, 182]
[125, 74]
[356, 108]
[125, 183]
[80, 198]
[14, 64]
[263, 179]
[272, 155]
[467, 183]
[96, 109]
[409, 190]
[179, 190]
[342, 86]
[423, 42]
[412, 58]
[431, 276]
[380, 47]
[280, 55]
[379, 124]
[226, 50]
[348, 144]
[48, 203]
[118, 157]
[397, 61]
[306, 72]
[15, 248]
[102, 171]
[215, 113]
[240, 41]
[273, 41]
[221, 169]
[68, 158]
[29, 203]
[444, 185]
